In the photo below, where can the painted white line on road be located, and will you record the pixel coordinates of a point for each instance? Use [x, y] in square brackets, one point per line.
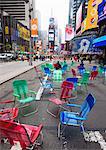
[95, 136]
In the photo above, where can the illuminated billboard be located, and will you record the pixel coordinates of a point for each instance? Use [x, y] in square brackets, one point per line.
[51, 37]
[83, 44]
[69, 33]
[102, 11]
[34, 27]
[92, 16]
[83, 25]
[79, 17]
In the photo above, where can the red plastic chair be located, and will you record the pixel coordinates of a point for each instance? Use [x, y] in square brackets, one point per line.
[26, 135]
[93, 75]
[66, 93]
[8, 113]
[73, 72]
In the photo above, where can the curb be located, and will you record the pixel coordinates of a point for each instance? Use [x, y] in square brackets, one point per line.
[21, 73]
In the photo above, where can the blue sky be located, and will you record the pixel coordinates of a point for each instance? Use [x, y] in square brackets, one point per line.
[60, 12]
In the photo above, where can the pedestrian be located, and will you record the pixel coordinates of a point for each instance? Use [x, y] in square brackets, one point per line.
[90, 59]
[57, 65]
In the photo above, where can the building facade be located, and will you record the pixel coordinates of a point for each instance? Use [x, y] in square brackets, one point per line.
[100, 41]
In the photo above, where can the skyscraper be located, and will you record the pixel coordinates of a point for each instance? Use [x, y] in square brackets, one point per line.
[75, 6]
[19, 9]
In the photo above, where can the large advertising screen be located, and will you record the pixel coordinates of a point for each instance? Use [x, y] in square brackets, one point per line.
[92, 15]
[82, 44]
[102, 11]
[51, 37]
[34, 27]
[83, 25]
[69, 33]
[79, 17]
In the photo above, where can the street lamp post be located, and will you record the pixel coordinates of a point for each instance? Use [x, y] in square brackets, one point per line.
[30, 43]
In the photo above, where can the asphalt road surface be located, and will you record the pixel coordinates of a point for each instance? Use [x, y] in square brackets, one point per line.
[72, 139]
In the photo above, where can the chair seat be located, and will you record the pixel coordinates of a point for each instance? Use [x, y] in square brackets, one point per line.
[47, 85]
[9, 113]
[66, 118]
[57, 101]
[27, 100]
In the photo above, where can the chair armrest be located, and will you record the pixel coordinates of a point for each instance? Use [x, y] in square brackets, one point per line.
[36, 133]
[6, 101]
[74, 105]
[32, 92]
[16, 95]
[76, 117]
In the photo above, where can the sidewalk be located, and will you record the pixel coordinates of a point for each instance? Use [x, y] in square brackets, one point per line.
[10, 70]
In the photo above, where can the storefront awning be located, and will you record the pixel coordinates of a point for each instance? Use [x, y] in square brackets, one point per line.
[99, 42]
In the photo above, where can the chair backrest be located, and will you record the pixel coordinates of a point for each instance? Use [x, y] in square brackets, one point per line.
[73, 72]
[94, 68]
[87, 105]
[74, 80]
[66, 90]
[20, 87]
[47, 71]
[81, 70]
[85, 78]
[64, 68]
[100, 70]
[14, 132]
[57, 76]
[93, 75]
[50, 66]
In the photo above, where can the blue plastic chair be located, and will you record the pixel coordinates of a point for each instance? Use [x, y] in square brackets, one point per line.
[74, 80]
[81, 70]
[47, 71]
[77, 118]
[94, 68]
[64, 68]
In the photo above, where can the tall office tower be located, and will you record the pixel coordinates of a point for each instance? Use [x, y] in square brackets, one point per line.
[19, 9]
[75, 6]
[70, 12]
[51, 34]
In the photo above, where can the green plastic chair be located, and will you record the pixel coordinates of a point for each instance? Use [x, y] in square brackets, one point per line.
[57, 78]
[23, 96]
[50, 66]
[100, 71]
[72, 64]
[84, 80]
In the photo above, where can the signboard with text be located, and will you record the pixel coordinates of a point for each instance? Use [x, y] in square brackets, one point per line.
[102, 11]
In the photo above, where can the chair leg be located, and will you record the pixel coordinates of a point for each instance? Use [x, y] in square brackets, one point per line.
[82, 128]
[48, 111]
[30, 113]
[59, 130]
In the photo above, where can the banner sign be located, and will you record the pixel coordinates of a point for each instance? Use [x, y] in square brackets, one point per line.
[82, 44]
[79, 17]
[102, 11]
[69, 33]
[34, 27]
